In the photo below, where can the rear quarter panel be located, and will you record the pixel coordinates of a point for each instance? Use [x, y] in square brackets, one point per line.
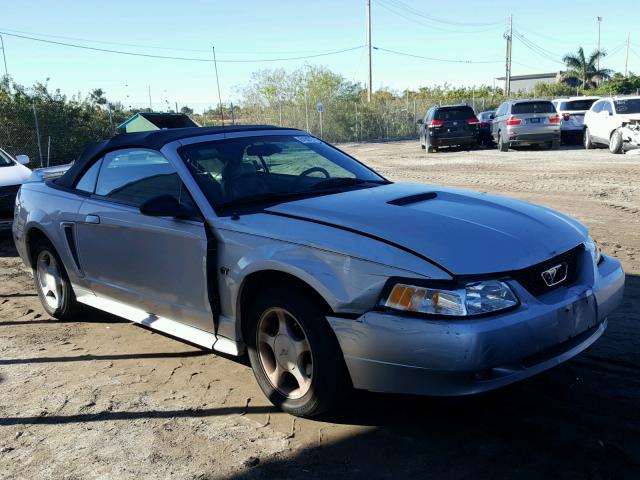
[41, 207]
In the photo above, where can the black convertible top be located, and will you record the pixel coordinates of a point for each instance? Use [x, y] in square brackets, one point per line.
[154, 140]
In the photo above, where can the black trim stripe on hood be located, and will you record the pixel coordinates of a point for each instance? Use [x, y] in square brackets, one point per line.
[364, 234]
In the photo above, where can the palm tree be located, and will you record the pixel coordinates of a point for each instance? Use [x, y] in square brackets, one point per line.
[585, 70]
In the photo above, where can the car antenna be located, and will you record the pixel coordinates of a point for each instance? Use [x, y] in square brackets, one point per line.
[215, 64]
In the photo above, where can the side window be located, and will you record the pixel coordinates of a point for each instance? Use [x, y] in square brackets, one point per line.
[501, 110]
[87, 182]
[606, 107]
[133, 176]
[597, 107]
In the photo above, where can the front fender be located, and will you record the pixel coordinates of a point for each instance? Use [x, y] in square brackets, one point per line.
[347, 284]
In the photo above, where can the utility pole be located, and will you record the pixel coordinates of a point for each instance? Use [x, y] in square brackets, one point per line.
[177, 107]
[150, 104]
[4, 56]
[370, 89]
[626, 60]
[598, 50]
[306, 108]
[215, 64]
[507, 76]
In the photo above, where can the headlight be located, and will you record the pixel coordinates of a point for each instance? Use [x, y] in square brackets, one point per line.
[474, 298]
[594, 249]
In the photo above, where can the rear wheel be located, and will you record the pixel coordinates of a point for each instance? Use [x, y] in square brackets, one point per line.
[430, 148]
[52, 283]
[616, 143]
[588, 142]
[294, 354]
[502, 145]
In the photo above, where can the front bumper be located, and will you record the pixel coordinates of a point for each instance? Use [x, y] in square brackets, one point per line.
[385, 352]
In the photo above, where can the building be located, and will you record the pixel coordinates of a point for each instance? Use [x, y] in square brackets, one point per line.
[145, 121]
[527, 83]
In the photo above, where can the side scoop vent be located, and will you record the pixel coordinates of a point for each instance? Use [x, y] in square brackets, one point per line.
[420, 197]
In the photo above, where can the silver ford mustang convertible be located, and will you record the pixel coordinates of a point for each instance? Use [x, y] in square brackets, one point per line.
[330, 276]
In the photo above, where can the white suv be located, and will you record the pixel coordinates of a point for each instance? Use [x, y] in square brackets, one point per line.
[572, 111]
[604, 120]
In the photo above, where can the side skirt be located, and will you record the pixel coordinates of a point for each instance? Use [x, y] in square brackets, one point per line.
[165, 325]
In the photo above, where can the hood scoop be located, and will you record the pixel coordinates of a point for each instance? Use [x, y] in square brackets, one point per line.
[420, 197]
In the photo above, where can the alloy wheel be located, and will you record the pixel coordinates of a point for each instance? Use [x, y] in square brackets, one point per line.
[284, 353]
[49, 279]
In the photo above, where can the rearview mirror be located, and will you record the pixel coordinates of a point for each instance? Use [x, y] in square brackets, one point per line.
[22, 159]
[419, 121]
[165, 206]
[264, 150]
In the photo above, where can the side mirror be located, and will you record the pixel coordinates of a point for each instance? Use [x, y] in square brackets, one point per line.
[419, 121]
[165, 206]
[492, 116]
[22, 159]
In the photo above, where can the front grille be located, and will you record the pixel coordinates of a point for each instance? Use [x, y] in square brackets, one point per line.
[8, 200]
[531, 277]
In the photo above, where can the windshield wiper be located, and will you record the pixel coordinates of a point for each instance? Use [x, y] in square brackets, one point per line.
[261, 197]
[343, 181]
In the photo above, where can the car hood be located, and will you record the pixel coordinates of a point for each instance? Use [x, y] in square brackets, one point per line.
[464, 232]
[14, 175]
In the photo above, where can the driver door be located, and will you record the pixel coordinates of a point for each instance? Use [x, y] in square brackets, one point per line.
[154, 264]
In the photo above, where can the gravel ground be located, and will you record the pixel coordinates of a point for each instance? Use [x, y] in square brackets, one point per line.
[103, 398]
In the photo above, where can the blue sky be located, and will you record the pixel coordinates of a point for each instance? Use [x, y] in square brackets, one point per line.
[251, 29]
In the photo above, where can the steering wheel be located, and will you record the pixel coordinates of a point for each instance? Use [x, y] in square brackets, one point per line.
[311, 170]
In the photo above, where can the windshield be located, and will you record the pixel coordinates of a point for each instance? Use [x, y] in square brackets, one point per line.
[452, 114]
[628, 105]
[532, 107]
[259, 169]
[575, 105]
[5, 161]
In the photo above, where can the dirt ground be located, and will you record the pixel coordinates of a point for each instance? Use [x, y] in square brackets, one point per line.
[103, 398]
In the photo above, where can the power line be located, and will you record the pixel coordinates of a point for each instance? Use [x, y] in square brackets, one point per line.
[158, 47]
[392, 8]
[434, 59]
[187, 59]
[403, 6]
[537, 49]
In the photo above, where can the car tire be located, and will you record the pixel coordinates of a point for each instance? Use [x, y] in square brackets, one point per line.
[286, 331]
[430, 149]
[502, 145]
[554, 145]
[588, 142]
[422, 145]
[52, 283]
[615, 142]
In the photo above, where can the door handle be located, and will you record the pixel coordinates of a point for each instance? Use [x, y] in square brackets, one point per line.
[95, 219]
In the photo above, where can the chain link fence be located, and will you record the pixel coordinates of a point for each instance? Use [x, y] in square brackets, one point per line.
[55, 133]
[51, 133]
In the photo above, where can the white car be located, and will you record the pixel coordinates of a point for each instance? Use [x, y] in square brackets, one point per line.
[572, 111]
[13, 173]
[604, 122]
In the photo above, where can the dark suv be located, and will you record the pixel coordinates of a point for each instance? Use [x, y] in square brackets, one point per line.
[448, 126]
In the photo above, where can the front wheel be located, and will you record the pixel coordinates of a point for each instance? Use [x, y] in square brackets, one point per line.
[294, 354]
[616, 143]
[52, 283]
